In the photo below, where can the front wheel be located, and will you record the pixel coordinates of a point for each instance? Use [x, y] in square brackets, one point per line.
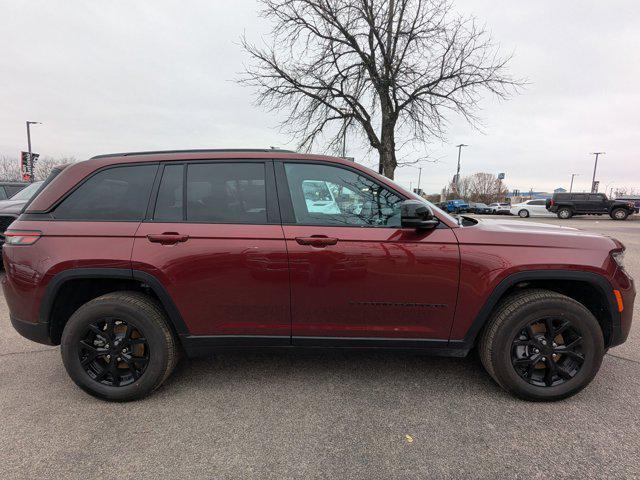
[119, 346]
[565, 213]
[523, 213]
[619, 214]
[542, 346]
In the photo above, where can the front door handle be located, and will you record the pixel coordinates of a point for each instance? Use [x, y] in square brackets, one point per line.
[319, 241]
[167, 238]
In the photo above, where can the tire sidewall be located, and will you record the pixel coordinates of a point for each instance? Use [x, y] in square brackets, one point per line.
[523, 213]
[592, 346]
[561, 211]
[616, 211]
[76, 329]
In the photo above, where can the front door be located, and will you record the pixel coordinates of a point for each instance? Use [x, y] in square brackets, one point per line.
[215, 242]
[355, 272]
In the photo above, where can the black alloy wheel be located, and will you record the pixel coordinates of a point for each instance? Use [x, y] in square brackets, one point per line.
[113, 352]
[548, 352]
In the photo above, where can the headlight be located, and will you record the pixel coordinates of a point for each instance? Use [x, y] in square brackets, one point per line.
[618, 256]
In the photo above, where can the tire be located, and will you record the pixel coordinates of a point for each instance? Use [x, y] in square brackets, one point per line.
[619, 214]
[565, 213]
[523, 213]
[138, 315]
[496, 346]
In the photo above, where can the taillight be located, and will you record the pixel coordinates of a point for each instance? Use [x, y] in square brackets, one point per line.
[551, 204]
[21, 237]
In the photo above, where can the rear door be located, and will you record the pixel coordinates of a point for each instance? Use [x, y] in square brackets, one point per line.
[356, 275]
[213, 239]
[537, 207]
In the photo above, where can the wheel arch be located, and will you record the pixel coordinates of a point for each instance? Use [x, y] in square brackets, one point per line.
[590, 289]
[70, 289]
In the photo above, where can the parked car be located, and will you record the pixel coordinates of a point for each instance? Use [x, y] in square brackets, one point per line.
[566, 205]
[479, 208]
[530, 208]
[9, 189]
[129, 260]
[635, 199]
[500, 208]
[11, 208]
[456, 206]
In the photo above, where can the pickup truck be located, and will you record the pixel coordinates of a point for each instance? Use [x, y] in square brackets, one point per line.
[456, 206]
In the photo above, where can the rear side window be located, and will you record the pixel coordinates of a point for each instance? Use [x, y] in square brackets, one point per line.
[579, 196]
[169, 206]
[537, 202]
[116, 194]
[226, 193]
[562, 196]
[3, 194]
[13, 189]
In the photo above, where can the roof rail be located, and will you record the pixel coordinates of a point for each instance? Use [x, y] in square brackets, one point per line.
[205, 150]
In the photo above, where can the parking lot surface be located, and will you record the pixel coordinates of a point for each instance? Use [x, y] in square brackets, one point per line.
[322, 415]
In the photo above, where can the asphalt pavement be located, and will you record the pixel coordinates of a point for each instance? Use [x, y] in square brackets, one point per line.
[322, 415]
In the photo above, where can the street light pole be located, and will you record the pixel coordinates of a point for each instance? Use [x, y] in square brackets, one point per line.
[419, 177]
[572, 176]
[29, 148]
[458, 169]
[595, 167]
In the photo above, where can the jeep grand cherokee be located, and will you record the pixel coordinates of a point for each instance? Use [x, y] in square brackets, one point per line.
[129, 260]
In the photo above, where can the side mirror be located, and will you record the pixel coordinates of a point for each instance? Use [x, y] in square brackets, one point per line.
[416, 214]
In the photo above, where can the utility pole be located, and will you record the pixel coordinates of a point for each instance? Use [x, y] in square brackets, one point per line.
[572, 176]
[29, 148]
[595, 167]
[419, 177]
[344, 141]
[458, 169]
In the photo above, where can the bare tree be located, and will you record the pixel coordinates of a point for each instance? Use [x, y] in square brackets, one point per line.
[480, 187]
[10, 167]
[388, 69]
[622, 191]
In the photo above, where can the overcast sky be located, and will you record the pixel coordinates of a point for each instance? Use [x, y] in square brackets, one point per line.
[146, 75]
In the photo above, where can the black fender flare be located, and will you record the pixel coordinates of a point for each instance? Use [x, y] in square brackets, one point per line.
[152, 282]
[596, 280]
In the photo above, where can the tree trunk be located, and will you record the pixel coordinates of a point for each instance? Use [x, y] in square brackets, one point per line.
[387, 165]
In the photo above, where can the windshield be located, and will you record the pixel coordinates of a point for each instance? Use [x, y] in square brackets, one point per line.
[27, 193]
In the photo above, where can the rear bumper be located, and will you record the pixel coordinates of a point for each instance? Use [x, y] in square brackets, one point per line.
[37, 332]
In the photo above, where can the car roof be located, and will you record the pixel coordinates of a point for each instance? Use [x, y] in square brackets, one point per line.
[13, 183]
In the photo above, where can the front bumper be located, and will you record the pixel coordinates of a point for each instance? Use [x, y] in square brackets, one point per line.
[37, 332]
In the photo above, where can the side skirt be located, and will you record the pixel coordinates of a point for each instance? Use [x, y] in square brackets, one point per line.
[206, 345]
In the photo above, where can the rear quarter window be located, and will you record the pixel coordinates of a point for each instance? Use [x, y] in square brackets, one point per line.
[115, 194]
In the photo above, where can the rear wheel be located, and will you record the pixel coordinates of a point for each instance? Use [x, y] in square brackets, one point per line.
[119, 346]
[542, 346]
[619, 214]
[523, 213]
[565, 213]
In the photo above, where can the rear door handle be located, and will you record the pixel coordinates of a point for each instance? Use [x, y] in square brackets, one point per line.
[319, 241]
[167, 238]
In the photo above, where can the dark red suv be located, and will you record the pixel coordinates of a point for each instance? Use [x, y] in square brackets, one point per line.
[128, 260]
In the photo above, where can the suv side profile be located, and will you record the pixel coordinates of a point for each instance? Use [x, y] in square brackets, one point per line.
[566, 205]
[130, 260]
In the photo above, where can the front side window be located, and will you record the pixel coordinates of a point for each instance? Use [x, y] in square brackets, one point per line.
[116, 194]
[334, 196]
[226, 193]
